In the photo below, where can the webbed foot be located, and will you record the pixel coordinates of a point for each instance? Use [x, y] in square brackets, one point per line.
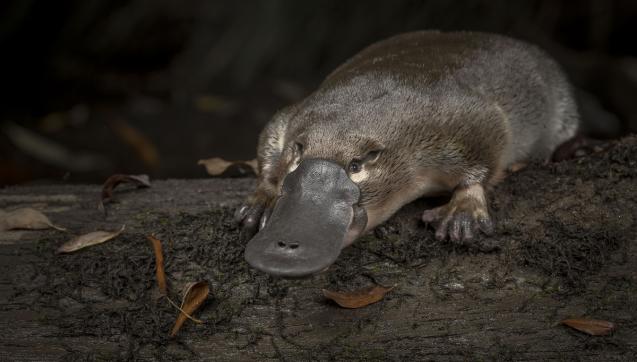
[465, 215]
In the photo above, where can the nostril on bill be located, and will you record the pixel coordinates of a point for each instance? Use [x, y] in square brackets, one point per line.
[288, 245]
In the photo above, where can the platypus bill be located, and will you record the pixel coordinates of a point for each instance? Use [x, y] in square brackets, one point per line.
[414, 115]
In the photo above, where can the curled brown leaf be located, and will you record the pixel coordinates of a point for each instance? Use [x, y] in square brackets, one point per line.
[86, 240]
[194, 296]
[114, 180]
[594, 327]
[26, 218]
[159, 264]
[358, 298]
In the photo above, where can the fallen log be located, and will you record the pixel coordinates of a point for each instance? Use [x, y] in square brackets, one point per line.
[565, 248]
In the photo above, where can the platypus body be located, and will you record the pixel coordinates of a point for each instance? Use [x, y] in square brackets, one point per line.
[415, 115]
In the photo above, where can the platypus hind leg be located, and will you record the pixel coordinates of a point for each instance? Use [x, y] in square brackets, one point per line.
[465, 214]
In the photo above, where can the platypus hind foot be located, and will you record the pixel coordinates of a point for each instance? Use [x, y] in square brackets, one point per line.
[466, 214]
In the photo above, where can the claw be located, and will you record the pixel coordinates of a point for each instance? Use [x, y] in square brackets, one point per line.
[459, 220]
[486, 225]
[265, 217]
[240, 214]
[455, 231]
[467, 230]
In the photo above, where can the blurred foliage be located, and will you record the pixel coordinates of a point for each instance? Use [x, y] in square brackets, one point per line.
[111, 47]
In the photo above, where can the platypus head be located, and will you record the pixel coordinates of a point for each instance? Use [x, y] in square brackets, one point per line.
[345, 168]
[316, 215]
[323, 204]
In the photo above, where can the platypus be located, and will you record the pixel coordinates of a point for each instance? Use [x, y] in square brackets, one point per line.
[414, 115]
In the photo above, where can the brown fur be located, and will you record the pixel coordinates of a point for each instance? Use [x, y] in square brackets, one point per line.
[445, 111]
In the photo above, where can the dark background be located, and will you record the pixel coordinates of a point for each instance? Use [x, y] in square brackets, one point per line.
[94, 87]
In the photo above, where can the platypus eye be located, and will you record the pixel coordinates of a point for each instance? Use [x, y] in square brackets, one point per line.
[355, 166]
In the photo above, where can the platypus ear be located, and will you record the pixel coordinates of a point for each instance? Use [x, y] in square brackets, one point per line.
[299, 144]
[298, 147]
[372, 151]
[372, 156]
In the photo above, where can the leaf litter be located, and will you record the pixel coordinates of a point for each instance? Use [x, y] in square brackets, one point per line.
[160, 274]
[358, 298]
[90, 239]
[594, 327]
[194, 293]
[26, 218]
[111, 183]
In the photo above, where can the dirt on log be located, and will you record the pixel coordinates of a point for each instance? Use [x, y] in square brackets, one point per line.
[565, 247]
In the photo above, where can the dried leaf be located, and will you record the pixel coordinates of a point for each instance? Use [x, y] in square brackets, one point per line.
[114, 180]
[159, 264]
[594, 327]
[26, 218]
[216, 166]
[358, 298]
[194, 296]
[143, 146]
[90, 239]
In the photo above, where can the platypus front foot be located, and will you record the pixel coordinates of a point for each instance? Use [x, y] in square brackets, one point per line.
[465, 215]
[253, 214]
